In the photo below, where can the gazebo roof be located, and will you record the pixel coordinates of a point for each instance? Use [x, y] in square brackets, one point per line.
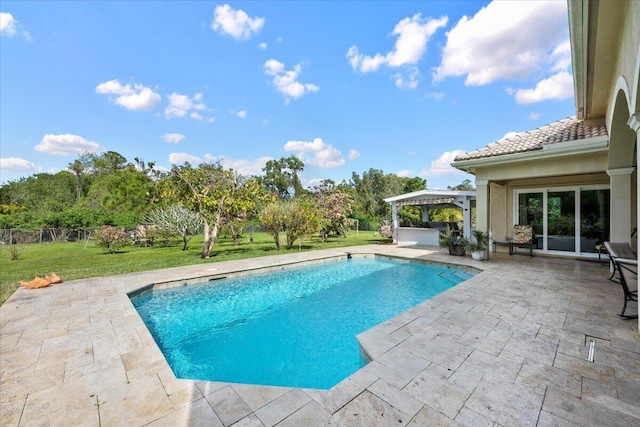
[431, 197]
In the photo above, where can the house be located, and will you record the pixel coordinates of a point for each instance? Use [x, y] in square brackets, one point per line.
[574, 180]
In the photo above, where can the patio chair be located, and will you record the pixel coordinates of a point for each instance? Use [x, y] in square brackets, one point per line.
[628, 269]
[523, 237]
[618, 250]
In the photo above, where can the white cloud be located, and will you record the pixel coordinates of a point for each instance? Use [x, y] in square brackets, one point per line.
[442, 166]
[180, 158]
[505, 40]
[316, 153]
[413, 35]
[353, 154]
[559, 86]
[9, 26]
[183, 105]
[66, 144]
[244, 167]
[410, 81]
[242, 114]
[508, 135]
[138, 97]
[286, 82]
[262, 46]
[174, 138]
[534, 116]
[434, 95]
[16, 164]
[404, 173]
[235, 23]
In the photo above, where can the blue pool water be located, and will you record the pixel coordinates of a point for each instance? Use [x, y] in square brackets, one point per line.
[296, 327]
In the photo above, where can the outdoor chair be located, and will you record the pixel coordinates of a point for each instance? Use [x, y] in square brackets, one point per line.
[618, 250]
[523, 237]
[628, 269]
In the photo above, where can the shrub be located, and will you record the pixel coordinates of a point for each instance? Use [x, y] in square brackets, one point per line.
[110, 238]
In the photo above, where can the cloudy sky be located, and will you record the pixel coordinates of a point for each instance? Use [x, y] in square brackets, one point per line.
[345, 86]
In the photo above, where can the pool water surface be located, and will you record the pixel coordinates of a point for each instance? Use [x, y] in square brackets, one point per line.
[296, 327]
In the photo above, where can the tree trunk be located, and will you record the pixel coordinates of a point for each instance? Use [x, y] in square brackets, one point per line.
[212, 237]
[205, 245]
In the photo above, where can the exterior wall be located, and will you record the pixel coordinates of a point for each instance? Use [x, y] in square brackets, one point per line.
[549, 167]
[629, 46]
[586, 169]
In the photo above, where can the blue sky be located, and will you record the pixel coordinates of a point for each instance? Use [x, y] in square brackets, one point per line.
[345, 86]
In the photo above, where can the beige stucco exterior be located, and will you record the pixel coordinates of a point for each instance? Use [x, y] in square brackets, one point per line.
[605, 45]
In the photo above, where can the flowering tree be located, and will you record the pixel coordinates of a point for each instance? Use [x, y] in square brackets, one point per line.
[111, 238]
[178, 220]
[334, 208]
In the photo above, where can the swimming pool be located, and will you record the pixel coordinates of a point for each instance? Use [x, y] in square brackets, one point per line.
[294, 327]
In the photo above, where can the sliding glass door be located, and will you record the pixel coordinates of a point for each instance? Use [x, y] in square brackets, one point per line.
[566, 220]
[561, 221]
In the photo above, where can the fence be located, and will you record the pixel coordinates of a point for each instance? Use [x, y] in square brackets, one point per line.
[43, 235]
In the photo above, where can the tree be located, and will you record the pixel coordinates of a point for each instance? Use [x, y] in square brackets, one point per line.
[177, 219]
[281, 176]
[215, 193]
[372, 189]
[272, 219]
[334, 208]
[297, 218]
[465, 185]
[409, 185]
[80, 168]
[123, 190]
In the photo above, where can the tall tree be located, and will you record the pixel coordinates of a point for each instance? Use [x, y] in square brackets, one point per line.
[282, 176]
[81, 167]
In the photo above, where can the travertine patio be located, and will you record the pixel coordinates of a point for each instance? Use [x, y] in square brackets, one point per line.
[507, 347]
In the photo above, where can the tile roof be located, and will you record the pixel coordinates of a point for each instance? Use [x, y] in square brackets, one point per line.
[569, 129]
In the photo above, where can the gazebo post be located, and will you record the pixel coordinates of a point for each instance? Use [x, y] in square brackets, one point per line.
[394, 220]
[425, 213]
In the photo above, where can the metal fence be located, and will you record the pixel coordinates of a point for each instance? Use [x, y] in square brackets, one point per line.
[43, 235]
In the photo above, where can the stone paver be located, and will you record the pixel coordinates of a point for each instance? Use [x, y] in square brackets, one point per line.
[506, 347]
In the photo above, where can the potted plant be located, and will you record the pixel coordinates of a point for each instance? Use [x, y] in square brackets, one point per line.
[454, 242]
[478, 244]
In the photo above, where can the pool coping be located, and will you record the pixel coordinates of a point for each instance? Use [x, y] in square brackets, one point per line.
[84, 343]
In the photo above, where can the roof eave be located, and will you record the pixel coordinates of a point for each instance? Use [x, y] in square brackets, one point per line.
[578, 32]
[583, 146]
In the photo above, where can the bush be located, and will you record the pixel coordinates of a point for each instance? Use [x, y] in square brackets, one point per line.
[110, 238]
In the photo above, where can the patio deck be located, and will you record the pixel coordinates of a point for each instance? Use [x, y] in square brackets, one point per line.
[507, 347]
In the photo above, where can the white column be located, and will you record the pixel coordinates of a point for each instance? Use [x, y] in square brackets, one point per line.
[620, 204]
[483, 206]
[634, 123]
[394, 217]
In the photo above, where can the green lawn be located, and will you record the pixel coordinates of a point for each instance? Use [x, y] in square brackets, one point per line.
[79, 260]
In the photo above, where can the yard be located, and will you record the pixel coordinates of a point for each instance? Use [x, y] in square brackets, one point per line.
[82, 260]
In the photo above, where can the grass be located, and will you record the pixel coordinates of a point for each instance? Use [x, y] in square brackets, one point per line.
[82, 260]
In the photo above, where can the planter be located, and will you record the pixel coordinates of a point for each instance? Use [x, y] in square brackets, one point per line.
[477, 255]
[457, 250]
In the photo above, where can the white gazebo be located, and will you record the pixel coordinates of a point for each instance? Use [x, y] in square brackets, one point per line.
[427, 199]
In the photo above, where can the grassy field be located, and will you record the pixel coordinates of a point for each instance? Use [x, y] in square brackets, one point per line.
[81, 260]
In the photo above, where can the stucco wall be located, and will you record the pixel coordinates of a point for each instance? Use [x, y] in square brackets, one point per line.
[558, 166]
[627, 60]
[502, 197]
